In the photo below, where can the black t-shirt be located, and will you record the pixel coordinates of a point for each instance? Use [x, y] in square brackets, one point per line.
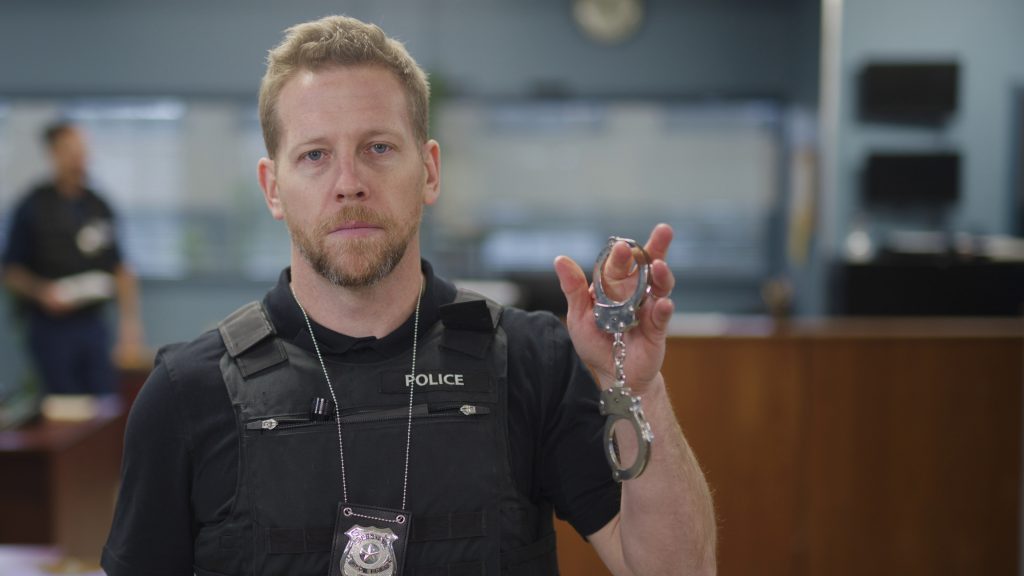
[54, 236]
[181, 446]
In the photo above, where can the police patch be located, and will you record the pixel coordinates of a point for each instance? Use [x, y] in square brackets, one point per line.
[398, 382]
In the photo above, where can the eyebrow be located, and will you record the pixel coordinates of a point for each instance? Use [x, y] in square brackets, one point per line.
[367, 135]
[307, 142]
[385, 132]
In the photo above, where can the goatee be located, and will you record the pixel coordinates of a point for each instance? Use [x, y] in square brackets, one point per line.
[360, 262]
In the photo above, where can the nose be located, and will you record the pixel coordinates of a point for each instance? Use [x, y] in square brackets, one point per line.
[348, 185]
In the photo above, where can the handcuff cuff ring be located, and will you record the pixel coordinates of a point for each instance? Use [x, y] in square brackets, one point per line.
[620, 315]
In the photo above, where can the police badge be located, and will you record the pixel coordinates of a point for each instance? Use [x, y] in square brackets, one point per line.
[369, 551]
[362, 549]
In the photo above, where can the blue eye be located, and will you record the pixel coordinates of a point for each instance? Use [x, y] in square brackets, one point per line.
[314, 155]
[380, 148]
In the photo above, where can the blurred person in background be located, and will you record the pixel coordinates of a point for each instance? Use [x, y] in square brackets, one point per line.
[62, 262]
[367, 415]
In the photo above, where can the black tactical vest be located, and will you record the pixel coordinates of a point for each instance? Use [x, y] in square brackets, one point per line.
[468, 517]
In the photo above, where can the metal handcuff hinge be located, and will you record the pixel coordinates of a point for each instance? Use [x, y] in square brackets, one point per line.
[617, 401]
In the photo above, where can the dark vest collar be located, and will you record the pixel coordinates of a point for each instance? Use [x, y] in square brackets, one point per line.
[288, 321]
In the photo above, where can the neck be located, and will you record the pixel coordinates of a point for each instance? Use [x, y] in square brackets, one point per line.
[69, 186]
[375, 311]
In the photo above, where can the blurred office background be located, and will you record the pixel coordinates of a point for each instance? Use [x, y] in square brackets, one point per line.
[765, 131]
[551, 141]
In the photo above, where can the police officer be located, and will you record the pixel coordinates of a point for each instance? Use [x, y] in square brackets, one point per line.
[368, 418]
[63, 262]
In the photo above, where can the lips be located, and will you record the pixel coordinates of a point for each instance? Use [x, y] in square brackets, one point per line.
[355, 229]
[356, 225]
[353, 222]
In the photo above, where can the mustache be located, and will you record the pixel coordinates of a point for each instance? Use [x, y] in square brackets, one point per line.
[353, 213]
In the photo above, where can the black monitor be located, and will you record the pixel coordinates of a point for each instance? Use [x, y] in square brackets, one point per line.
[908, 92]
[1017, 226]
[929, 179]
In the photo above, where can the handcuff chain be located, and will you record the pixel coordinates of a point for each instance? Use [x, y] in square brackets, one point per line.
[619, 357]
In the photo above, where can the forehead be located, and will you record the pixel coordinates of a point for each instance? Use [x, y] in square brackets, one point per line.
[342, 99]
[68, 141]
[70, 134]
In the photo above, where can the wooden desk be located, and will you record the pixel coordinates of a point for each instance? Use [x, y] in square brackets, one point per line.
[59, 480]
[851, 446]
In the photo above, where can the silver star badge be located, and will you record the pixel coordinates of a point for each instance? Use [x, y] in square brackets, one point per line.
[369, 552]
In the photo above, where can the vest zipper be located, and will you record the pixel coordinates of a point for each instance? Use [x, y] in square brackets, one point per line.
[419, 411]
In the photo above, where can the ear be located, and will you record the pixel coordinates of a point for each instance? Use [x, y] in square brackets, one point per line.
[268, 182]
[432, 163]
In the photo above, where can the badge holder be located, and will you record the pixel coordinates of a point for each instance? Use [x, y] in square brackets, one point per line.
[617, 401]
[369, 541]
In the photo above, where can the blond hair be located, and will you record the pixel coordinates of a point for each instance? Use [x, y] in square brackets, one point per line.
[343, 41]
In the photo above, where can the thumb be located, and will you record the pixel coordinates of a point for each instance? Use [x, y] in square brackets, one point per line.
[573, 283]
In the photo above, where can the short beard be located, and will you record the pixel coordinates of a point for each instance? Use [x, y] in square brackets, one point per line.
[380, 257]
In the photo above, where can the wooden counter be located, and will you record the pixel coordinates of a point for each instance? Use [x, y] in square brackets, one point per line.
[839, 447]
[860, 446]
[58, 481]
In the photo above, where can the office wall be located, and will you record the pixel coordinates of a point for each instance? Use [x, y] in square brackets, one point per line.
[987, 38]
[215, 49]
[702, 47]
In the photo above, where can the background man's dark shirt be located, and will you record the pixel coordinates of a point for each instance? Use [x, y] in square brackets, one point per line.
[53, 236]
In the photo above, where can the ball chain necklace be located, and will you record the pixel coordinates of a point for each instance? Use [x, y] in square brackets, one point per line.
[369, 549]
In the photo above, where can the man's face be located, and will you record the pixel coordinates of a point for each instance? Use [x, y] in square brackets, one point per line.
[349, 177]
[68, 153]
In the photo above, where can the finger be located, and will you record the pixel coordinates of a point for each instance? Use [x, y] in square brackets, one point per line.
[619, 262]
[663, 281]
[655, 319]
[661, 315]
[617, 274]
[573, 283]
[658, 243]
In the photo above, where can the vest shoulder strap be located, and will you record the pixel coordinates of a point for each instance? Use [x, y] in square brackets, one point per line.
[471, 323]
[247, 335]
[471, 311]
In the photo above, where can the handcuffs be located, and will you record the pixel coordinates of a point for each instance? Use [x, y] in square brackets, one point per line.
[617, 401]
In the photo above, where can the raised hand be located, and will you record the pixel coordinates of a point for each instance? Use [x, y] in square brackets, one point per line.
[645, 343]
